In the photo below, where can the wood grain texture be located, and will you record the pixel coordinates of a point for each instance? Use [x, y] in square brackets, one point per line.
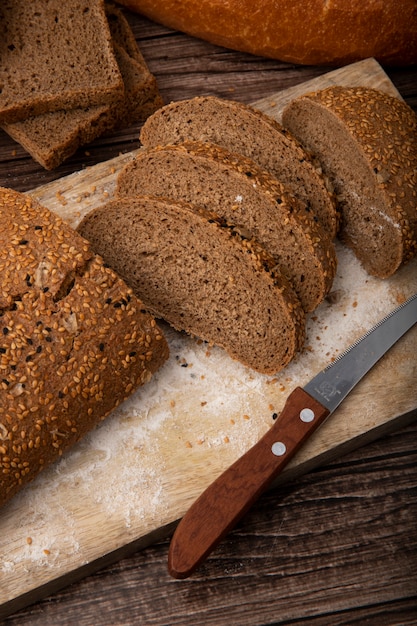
[336, 546]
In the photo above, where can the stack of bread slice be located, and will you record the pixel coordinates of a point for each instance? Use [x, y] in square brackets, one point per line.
[70, 73]
[212, 241]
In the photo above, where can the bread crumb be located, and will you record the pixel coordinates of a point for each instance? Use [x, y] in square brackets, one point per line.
[246, 417]
[60, 198]
[226, 439]
[29, 541]
[47, 552]
[172, 403]
[188, 444]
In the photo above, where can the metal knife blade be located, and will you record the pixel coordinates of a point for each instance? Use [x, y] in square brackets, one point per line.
[230, 496]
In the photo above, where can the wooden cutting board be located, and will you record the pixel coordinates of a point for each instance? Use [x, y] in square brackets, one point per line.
[127, 483]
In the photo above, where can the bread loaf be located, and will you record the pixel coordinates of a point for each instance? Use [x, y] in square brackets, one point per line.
[194, 271]
[55, 55]
[242, 129]
[309, 32]
[367, 144]
[255, 203]
[74, 340]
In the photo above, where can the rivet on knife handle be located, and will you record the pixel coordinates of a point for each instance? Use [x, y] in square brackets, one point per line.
[228, 498]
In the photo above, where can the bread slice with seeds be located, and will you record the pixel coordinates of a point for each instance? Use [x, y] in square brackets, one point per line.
[367, 144]
[74, 340]
[236, 189]
[242, 129]
[194, 271]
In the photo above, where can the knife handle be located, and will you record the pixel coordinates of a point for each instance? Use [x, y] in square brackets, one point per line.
[230, 496]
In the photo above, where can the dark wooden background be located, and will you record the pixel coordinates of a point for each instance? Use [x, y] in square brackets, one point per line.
[336, 547]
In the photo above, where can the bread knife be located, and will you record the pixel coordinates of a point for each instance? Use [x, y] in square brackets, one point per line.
[229, 497]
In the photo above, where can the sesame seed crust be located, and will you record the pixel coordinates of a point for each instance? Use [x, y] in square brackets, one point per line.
[74, 340]
[383, 131]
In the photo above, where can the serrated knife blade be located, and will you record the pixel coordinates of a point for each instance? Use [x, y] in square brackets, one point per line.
[230, 496]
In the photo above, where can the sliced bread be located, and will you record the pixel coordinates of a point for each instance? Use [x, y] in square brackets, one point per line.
[241, 128]
[235, 188]
[53, 137]
[367, 144]
[55, 55]
[194, 271]
[74, 340]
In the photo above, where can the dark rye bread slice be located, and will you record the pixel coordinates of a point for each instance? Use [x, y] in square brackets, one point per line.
[55, 55]
[367, 144]
[192, 270]
[74, 340]
[243, 129]
[122, 34]
[235, 188]
[53, 137]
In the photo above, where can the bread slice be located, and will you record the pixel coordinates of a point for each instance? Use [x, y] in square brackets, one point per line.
[236, 189]
[122, 34]
[55, 55]
[53, 137]
[367, 144]
[194, 271]
[241, 128]
[74, 343]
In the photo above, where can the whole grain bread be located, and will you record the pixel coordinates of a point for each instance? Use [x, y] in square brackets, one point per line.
[366, 141]
[121, 33]
[55, 55]
[243, 129]
[74, 343]
[53, 137]
[194, 271]
[236, 189]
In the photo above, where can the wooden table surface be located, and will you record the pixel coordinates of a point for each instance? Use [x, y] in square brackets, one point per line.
[337, 546]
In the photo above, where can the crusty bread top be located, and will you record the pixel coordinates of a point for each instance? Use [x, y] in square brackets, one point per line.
[74, 340]
[311, 32]
[242, 129]
[386, 129]
[55, 55]
[195, 271]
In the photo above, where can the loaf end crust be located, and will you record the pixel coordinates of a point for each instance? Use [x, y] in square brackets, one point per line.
[74, 340]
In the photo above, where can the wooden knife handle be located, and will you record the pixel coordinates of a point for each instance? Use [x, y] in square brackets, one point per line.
[230, 496]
